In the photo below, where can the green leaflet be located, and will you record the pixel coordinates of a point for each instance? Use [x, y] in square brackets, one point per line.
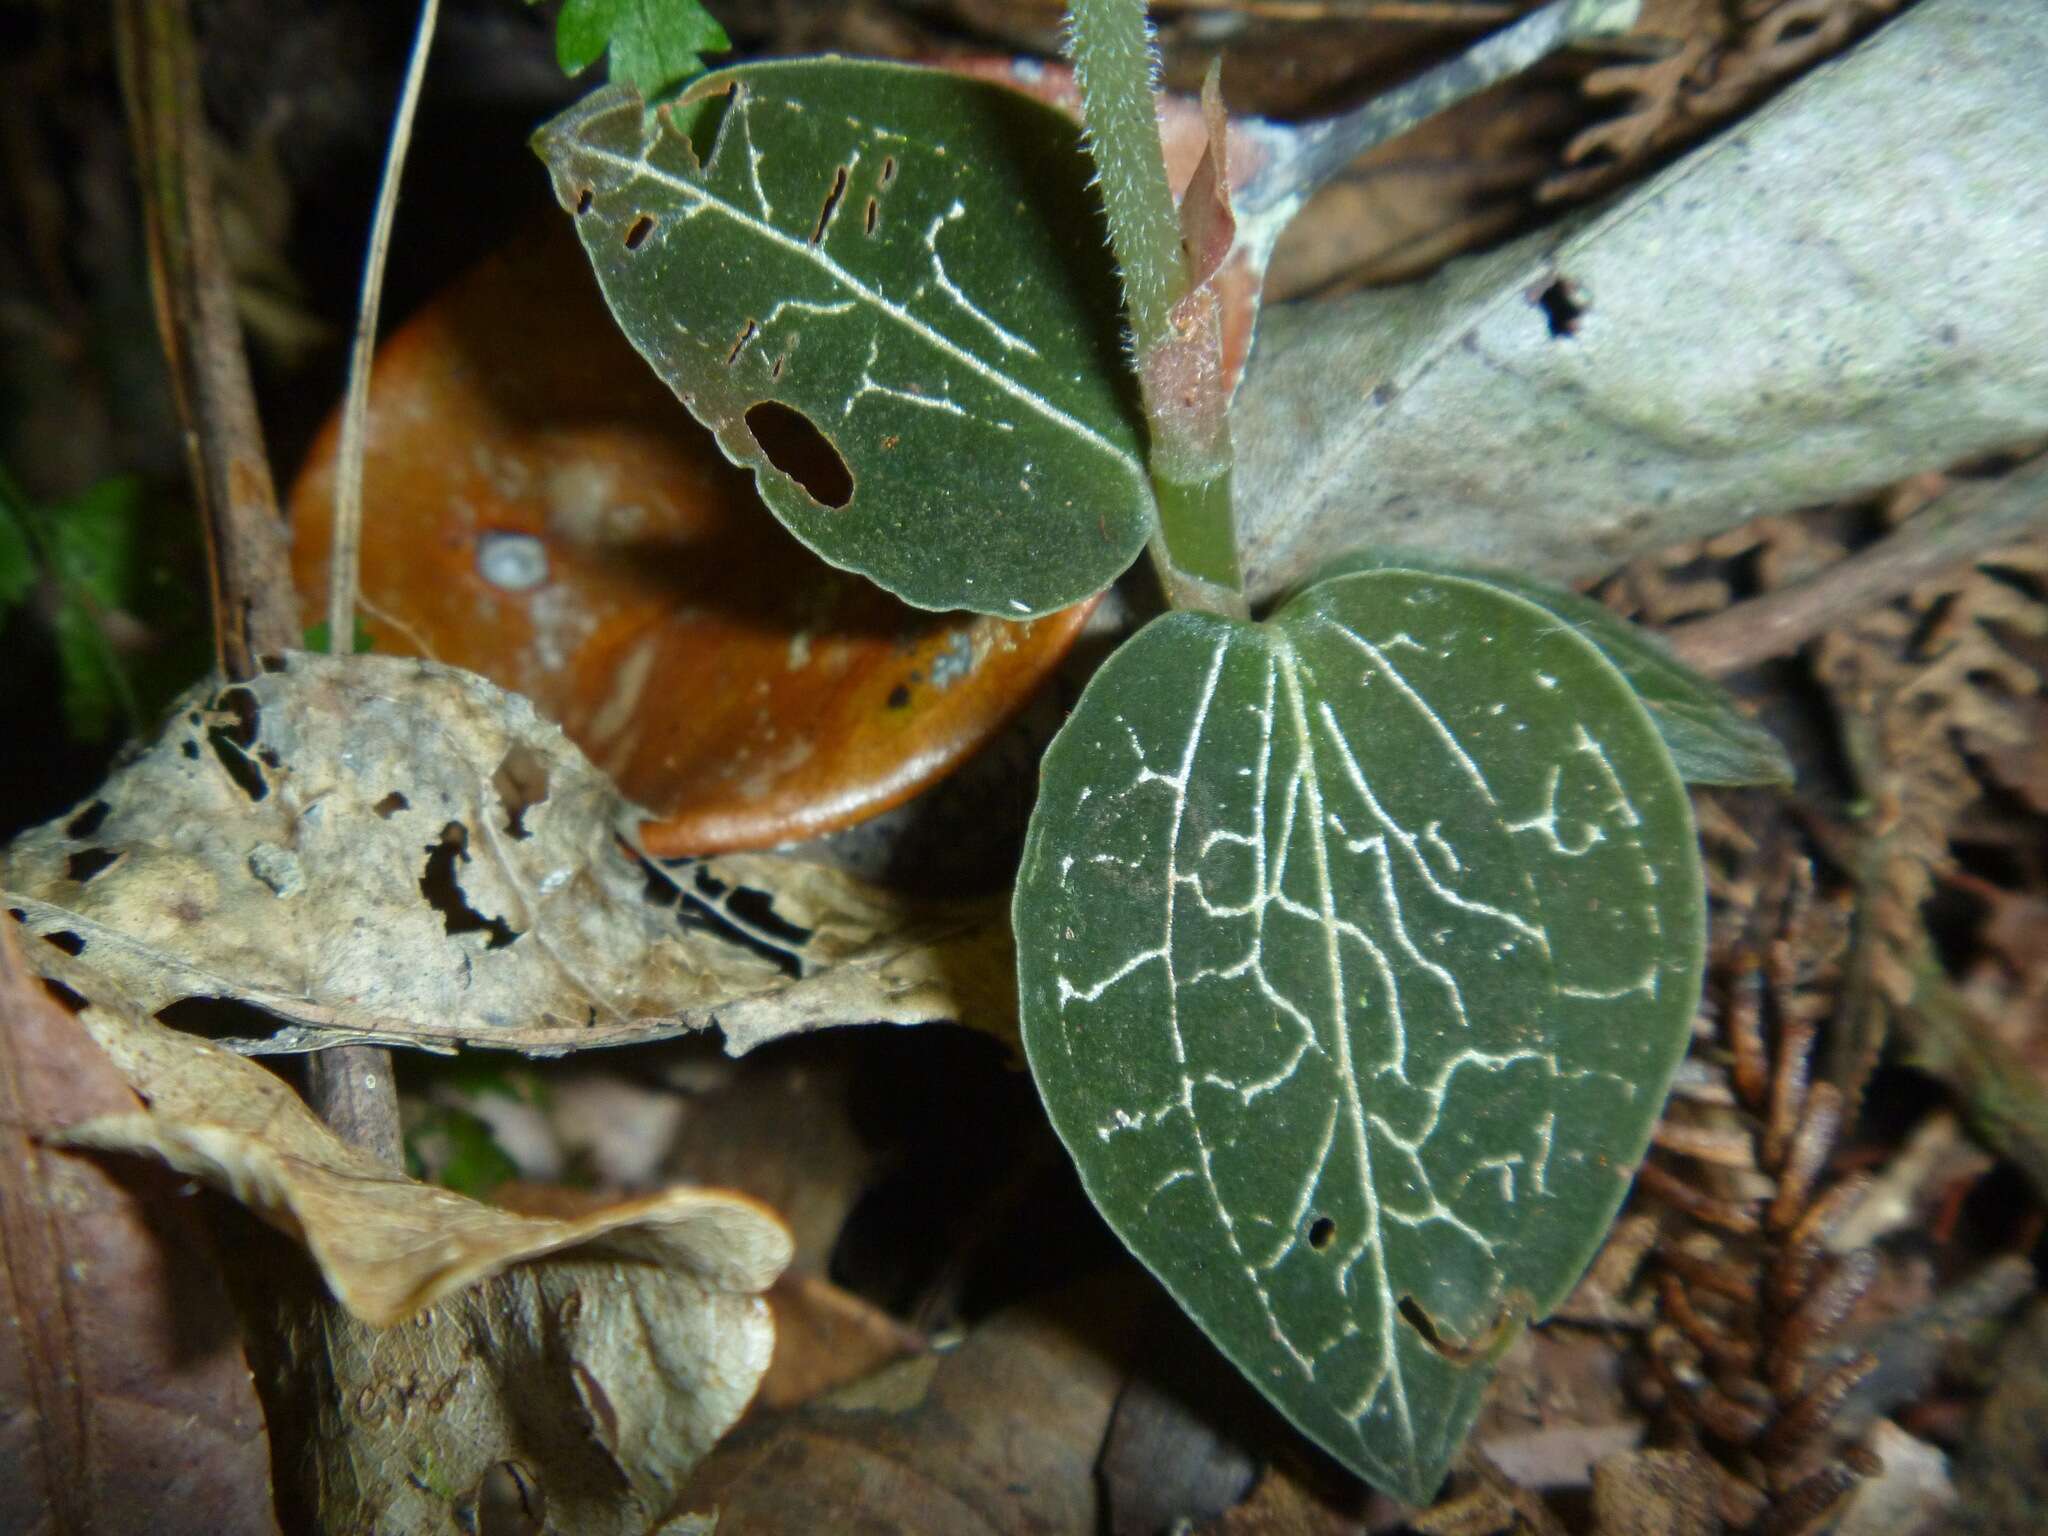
[1356, 951]
[1709, 737]
[654, 44]
[892, 282]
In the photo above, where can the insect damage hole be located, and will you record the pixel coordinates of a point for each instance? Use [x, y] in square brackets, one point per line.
[832, 197]
[1564, 306]
[583, 201]
[1321, 1233]
[444, 892]
[796, 447]
[638, 231]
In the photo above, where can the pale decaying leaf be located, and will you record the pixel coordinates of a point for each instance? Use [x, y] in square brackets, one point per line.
[1845, 290]
[602, 1356]
[387, 849]
[386, 1244]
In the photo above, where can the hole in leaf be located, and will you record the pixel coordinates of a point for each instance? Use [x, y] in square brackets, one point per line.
[740, 346]
[1563, 307]
[521, 781]
[702, 121]
[247, 776]
[391, 805]
[190, 748]
[73, 1001]
[872, 217]
[1321, 1233]
[240, 703]
[219, 1018]
[831, 207]
[797, 448]
[701, 916]
[67, 941]
[1457, 1351]
[444, 893]
[899, 697]
[888, 170]
[757, 909]
[583, 201]
[87, 821]
[87, 862]
[638, 231]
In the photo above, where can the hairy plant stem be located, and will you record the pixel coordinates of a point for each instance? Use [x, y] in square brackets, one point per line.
[1176, 332]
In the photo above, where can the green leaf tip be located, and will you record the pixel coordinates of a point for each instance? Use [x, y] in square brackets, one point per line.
[1356, 952]
[885, 290]
[1709, 737]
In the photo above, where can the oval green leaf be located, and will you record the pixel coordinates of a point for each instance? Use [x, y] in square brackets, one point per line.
[888, 291]
[1709, 737]
[1356, 952]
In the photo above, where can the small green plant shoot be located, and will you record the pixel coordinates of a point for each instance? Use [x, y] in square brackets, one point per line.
[1357, 945]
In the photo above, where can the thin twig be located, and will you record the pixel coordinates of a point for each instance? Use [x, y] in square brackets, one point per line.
[254, 612]
[245, 544]
[1966, 523]
[348, 475]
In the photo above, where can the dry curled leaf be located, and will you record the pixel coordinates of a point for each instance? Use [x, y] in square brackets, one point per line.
[386, 849]
[999, 1438]
[125, 1402]
[604, 1353]
[386, 1244]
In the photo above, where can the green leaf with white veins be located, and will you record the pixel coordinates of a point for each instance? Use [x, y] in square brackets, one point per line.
[887, 291]
[1356, 951]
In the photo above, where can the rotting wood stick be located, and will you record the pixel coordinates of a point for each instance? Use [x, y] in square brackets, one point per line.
[1968, 521]
[351, 1087]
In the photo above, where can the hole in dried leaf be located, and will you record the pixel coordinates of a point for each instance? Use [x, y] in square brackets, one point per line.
[67, 941]
[522, 783]
[247, 776]
[391, 805]
[1321, 1233]
[700, 916]
[190, 748]
[87, 862]
[1563, 307]
[240, 703]
[219, 1018]
[583, 201]
[797, 448]
[509, 1502]
[638, 231]
[832, 197]
[87, 821]
[757, 909]
[74, 1002]
[444, 893]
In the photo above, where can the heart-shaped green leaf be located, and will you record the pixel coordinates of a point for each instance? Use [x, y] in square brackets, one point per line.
[1711, 741]
[887, 290]
[1356, 952]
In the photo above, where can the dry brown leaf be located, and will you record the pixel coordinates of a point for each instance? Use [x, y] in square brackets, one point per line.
[825, 1338]
[125, 1402]
[591, 1385]
[385, 849]
[600, 1353]
[1002, 1437]
[388, 1245]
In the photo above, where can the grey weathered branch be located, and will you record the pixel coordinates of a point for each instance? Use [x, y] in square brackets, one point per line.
[1850, 287]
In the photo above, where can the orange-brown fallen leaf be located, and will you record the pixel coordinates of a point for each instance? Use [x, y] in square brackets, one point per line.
[541, 510]
[125, 1401]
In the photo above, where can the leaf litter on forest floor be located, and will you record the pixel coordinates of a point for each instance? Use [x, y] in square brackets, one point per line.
[372, 848]
[125, 1401]
[605, 1352]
